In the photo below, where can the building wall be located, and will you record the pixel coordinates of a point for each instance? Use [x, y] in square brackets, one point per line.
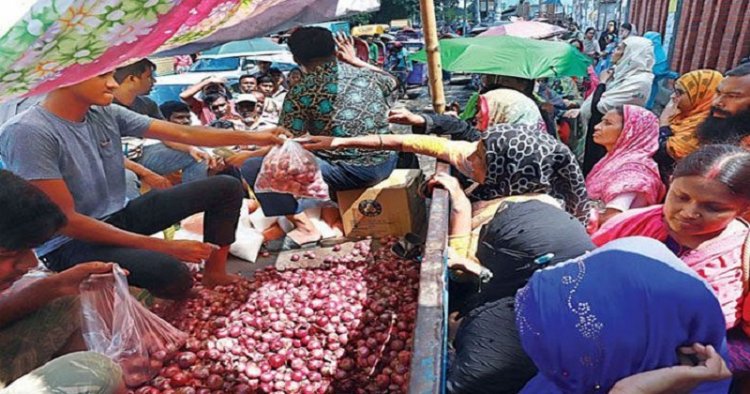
[708, 33]
[596, 13]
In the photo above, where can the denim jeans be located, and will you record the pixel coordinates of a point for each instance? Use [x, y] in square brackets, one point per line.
[164, 160]
[338, 176]
[132, 185]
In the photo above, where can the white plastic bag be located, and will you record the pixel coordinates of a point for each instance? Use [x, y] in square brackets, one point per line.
[117, 325]
[291, 169]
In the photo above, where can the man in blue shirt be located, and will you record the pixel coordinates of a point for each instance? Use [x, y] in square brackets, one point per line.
[69, 146]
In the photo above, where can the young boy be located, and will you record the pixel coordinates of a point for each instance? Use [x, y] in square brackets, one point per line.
[69, 147]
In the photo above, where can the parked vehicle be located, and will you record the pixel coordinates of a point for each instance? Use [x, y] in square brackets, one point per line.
[229, 61]
[369, 30]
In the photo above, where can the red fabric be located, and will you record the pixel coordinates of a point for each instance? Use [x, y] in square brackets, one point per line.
[483, 116]
[563, 131]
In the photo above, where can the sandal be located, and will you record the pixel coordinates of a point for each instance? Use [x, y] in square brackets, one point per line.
[409, 247]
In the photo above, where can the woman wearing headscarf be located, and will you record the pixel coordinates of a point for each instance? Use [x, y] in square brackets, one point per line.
[483, 112]
[586, 85]
[610, 31]
[627, 30]
[511, 246]
[661, 67]
[508, 160]
[627, 176]
[689, 106]
[591, 47]
[629, 82]
[493, 106]
[701, 222]
[625, 309]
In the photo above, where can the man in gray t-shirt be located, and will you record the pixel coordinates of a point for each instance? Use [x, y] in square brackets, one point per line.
[69, 147]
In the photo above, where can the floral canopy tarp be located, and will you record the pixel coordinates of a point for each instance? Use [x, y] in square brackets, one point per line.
[57, 43]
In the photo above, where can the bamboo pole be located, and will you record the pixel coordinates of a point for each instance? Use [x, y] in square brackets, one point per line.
[435, 70]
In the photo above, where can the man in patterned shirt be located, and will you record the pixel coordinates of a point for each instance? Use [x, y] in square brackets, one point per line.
[342, 97]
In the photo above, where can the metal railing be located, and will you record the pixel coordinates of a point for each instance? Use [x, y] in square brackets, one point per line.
[430, 334]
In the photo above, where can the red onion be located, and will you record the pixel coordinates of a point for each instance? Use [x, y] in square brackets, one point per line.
[276, 361]
[214, 382]
[344, 328]
[252, 371]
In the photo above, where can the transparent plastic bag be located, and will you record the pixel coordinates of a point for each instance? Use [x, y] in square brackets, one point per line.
[291, 169]
[117, 325]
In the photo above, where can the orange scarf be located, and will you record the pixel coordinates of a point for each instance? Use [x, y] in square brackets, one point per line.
[700, 88]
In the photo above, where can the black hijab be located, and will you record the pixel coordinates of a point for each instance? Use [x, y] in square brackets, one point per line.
[523, 237]
[489, 357]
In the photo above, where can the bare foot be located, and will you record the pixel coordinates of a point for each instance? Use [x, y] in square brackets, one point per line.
[219, 279]
[272, 233]
[252, 206]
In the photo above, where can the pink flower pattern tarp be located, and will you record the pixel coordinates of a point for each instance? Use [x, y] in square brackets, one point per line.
[63, 42]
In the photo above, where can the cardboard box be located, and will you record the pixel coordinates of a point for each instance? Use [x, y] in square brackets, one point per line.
[391, 207]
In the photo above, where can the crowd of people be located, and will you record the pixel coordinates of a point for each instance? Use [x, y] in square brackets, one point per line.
[595, 246]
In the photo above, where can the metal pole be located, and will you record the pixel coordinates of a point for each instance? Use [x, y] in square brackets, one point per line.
[432, 47]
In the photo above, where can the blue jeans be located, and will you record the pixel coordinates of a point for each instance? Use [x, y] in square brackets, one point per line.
[132, 185]
[164, 160]
[338, 176]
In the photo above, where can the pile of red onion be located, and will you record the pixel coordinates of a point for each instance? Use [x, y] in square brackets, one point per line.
[344, 328]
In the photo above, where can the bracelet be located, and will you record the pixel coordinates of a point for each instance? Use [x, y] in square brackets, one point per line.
[380, 138]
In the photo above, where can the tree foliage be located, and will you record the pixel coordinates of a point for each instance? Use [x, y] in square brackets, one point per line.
[407, 9]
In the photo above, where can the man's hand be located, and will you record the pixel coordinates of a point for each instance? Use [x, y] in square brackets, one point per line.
[318, 142]
[188, 251]
[271, 136]
[216, 79]
[405, 117]
[345, 49]
[200, 155]
[68, 282]
[265, 138]
[606, 75]
[669, 111]
[238, 159]
[156, 181]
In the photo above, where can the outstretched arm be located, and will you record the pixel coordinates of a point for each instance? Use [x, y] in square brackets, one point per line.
[18, 304]
[208, 136]
[86, 228]
[427, 145]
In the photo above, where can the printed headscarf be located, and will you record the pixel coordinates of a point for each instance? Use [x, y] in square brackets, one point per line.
[700, 88]
[522, 159]
[621, 310]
